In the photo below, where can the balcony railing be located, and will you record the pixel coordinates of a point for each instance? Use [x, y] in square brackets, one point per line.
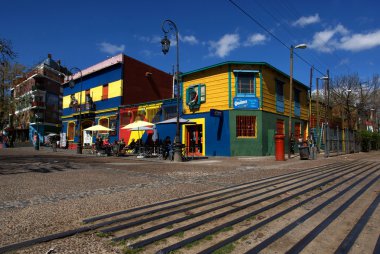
[85, 107]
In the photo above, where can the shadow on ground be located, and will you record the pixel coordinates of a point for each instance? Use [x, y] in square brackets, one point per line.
[19, 164]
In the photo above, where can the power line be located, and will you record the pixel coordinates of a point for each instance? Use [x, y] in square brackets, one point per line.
[274, 36]
[292, 9]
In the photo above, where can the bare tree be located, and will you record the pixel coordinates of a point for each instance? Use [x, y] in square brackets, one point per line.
[6, 51]
[7, 71]
[344, 92]
[353, 98]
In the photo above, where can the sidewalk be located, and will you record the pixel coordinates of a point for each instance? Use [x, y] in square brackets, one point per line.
[265, 162]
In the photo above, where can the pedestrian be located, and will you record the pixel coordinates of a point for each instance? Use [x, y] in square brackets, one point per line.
[292, 143]
[53, 142]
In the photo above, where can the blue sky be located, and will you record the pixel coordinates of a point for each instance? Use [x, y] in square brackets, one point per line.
[342, 36]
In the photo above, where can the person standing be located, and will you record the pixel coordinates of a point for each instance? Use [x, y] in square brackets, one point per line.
[53, 142]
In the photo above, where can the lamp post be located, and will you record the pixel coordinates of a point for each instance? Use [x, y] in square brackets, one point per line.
[72, 85]
[168, 26]
[299, 46]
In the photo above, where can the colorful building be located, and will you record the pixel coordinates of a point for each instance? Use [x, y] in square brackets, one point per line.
[152, 112]
[99, 91]
[238, 107]
[38, 96]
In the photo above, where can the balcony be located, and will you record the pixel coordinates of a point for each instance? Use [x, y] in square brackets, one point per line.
[40, 104]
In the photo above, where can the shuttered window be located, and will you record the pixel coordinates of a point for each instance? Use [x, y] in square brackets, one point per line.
[105, 92]
[280, 96]
[245, 126]
[297, 131]
[297, 107]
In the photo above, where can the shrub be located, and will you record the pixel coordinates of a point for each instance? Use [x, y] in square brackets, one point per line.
[375, 141]
[365, 137]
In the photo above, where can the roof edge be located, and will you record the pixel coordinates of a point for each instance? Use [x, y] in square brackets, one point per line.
[243, 63]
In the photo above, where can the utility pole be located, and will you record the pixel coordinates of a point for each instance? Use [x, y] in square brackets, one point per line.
[311, 85]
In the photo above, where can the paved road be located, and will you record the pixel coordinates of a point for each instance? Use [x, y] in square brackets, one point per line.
[42, 193]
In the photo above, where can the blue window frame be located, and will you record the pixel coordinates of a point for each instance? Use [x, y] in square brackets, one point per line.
[245, 83]
[280, 96]
[297, 107]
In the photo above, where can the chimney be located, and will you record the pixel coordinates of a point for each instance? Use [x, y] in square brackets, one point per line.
[49, 56]
[59, 62]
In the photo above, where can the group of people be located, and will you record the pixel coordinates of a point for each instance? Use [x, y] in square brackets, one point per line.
[163, 147]
[103, 145]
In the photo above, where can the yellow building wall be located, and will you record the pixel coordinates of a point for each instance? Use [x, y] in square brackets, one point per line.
[269, 94]
[115, 89]
[216, 82]
[96, 93]
[217, 87]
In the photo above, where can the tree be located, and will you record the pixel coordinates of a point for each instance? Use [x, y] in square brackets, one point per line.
[6, 51]
[344, 91]
[354, 99]
[8, 72]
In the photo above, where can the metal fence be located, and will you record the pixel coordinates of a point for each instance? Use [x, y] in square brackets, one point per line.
[336, 141]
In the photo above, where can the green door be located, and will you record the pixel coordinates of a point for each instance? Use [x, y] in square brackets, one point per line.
[270, 142]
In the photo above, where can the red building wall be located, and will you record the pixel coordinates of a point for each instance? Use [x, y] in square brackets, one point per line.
[144, 83]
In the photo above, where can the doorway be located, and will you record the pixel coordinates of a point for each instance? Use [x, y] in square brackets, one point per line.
[194, 140]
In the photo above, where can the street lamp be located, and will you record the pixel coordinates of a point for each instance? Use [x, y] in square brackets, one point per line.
[168, 26]
[72, 85]
[299, 46]
[317, 109]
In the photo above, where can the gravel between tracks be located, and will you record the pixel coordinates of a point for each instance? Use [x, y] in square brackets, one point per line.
[43, 192]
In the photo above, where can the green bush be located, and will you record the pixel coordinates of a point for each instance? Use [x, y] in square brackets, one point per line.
[375, 141]
[365, 137]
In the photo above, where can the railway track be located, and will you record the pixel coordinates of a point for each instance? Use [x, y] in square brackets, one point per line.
[330, 207]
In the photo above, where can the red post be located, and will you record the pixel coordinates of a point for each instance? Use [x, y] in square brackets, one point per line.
[280, 147]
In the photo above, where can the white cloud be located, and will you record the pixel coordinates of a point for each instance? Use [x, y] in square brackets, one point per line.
[326, 40]
[255, 39]
[340, 38]
[191, 39]
[225, 45]
[358, 42]
[344, 61]
[304, 21]
[111, 48]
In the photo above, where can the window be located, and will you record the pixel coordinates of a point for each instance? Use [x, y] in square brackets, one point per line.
[104, 122]
[71, 131]
[297, 107]
[279, 96]
[297, 131]
[245, 126]
[105, 92]
[169, 112]
[125, 117]
[195, 96]
[245, 82]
